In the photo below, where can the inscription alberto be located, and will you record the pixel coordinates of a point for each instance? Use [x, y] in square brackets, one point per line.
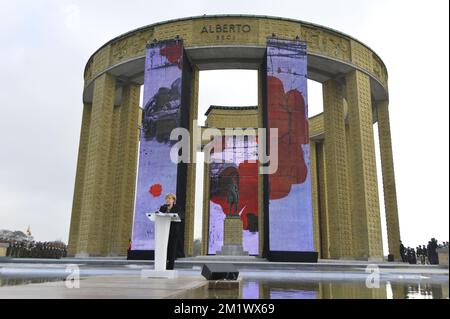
[226, 28]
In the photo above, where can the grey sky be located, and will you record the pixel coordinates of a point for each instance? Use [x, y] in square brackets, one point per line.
[44, 46]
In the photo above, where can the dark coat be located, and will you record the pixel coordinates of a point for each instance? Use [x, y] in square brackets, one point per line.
[175, 210]
[175, 244]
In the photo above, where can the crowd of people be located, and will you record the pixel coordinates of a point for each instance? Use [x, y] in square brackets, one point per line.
[425, 254]
[35, 249]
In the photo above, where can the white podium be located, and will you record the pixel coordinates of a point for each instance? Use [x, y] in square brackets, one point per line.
[162, 229]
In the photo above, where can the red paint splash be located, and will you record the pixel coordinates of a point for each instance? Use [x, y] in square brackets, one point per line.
[287, 113]
[173, 53]
[155, 190]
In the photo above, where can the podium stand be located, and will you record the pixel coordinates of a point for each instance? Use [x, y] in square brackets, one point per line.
[162, 229]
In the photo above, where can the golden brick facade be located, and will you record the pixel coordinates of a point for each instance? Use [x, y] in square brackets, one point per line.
[79, 181]
[344, 179]
[191, 169]
[125, 158]
[339, 214]
[387, 166]
[106, 172]
[321, 41]
[324, 224]
[315, 195]
[366, 225]
[94, 200]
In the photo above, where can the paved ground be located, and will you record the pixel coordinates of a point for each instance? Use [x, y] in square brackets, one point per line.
[106, 287]
[119, 278]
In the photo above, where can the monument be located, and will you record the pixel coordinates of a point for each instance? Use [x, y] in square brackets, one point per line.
[326, 176]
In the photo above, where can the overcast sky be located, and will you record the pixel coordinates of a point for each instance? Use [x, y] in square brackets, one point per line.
[44, 46]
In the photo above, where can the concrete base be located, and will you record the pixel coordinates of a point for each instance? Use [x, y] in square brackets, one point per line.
[232, 237]
[240, 262]
[368, 259]
[3, 249]
[232, 250]
[443, 256]
[150, 273]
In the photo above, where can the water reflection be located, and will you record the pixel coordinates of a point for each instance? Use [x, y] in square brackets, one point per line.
[14, 281]
[271, 289]
[426, 291]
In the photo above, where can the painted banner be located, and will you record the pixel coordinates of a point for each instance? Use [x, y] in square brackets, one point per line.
[234, 190]
[157, 174]
[290, 203]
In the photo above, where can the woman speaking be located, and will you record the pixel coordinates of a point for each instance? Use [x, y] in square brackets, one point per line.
[175, 229]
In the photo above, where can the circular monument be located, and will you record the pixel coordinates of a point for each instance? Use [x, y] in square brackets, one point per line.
[341, 163]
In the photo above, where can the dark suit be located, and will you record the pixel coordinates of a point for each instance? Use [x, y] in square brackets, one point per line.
[174, 234]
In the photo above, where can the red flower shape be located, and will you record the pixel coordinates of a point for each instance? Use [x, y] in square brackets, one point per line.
[173, 53]
[287, 113]
[155, 190]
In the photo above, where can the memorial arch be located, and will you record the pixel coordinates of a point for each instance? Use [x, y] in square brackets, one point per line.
[345, 208]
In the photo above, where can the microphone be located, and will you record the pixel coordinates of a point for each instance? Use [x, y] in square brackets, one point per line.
[164, 208]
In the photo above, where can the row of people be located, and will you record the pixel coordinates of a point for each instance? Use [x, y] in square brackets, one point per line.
[425, 254]
[33, 249]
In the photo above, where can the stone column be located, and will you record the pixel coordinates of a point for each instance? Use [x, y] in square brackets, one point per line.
[323, 202]
[339, 214]
[387, 166]
[91, 224]
[191, 168]
[365, 203]
[349, 177]
[79, 180]
[315, 194]
[108, 234]
[124, 171]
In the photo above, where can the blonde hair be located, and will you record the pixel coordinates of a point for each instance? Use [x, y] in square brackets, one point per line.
[171, 195]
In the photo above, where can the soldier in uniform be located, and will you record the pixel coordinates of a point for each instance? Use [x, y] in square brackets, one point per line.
[419, 253]
[8, 250]
[402, 252]
[414, 257]
[425, 254]
[21, 250]
[433, 252]
[13, 249]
